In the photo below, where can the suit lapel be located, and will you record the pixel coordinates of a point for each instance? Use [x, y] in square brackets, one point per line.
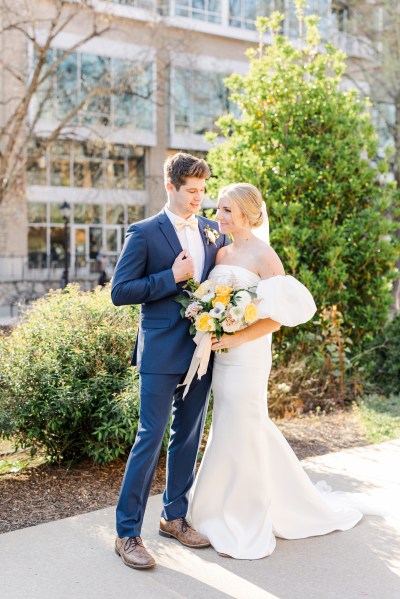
[169, 232]
[208, 253]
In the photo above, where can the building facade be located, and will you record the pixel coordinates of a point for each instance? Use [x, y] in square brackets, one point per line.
[159, 68]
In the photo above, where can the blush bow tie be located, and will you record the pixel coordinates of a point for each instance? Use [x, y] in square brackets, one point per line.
[180, 223]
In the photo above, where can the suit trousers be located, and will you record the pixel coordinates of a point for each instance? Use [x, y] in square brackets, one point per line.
[159, 394]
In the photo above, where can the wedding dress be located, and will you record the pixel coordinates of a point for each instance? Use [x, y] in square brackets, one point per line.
[251, 488]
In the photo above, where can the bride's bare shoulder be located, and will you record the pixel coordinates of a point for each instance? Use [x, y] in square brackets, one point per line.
[269, 263]
[221, 254]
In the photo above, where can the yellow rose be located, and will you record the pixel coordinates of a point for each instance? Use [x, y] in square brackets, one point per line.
[222, 299]
[202, 289]
[223, 290]
[205, 322]
[250, 313]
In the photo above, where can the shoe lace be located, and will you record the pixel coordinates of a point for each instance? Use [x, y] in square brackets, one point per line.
[131, 543]
[184, 524]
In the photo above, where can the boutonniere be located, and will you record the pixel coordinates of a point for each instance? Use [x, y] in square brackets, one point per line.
[211, 235]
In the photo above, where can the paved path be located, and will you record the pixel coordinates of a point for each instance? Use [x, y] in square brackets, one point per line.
[74, 558]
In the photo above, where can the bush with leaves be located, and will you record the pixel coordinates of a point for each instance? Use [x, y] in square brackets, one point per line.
[309, 147]
[66, 384]
[384, 359]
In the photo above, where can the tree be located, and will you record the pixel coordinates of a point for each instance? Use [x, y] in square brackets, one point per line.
[28, 94]
[308, 147]
[377, 28]
[378, 34]
[49, 93]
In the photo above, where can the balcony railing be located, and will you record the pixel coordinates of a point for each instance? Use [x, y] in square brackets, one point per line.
[24, 268]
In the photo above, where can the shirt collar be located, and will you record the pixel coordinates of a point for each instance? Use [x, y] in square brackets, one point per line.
[172, 217]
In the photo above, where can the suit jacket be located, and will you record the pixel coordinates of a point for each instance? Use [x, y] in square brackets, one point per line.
[143, 275]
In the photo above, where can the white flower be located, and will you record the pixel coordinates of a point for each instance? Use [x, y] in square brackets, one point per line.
[230, 325]
[243, 299]
[203, 289]
[218, 311]
[193, 309]
[208, 297]
[236, 312]
[211, 235]
[283, 387]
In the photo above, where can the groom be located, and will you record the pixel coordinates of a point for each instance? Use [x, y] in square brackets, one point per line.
[160, 254]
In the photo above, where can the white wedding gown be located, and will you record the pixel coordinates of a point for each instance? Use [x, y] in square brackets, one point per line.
[251, 487]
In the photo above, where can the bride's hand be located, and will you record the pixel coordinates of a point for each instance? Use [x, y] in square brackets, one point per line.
[225, 342]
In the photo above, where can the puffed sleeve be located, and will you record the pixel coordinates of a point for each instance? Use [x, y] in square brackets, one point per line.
[286, 300]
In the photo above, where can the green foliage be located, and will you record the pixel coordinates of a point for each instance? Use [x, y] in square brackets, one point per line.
[384, 358]
[308, 146]
[65, 380]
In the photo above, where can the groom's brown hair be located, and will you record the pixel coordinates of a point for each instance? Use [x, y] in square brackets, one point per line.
[180, 166]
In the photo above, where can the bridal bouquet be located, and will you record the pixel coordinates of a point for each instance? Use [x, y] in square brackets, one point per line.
[216, 308]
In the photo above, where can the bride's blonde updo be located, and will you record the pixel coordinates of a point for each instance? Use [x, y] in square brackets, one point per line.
[248, 199]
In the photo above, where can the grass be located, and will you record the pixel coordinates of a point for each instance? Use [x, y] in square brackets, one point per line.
[379, 416]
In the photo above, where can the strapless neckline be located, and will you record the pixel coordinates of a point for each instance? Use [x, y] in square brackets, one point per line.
[234, 266]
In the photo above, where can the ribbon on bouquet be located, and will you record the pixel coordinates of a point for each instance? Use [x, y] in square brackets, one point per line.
[200, 360]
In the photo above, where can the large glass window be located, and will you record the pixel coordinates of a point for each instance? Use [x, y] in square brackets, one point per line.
[95, 235]
[204, 10]
[85, 164]
[200, 97]
[119, 92]
[243, 13]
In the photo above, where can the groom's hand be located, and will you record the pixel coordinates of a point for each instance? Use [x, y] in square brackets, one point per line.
[183, 267]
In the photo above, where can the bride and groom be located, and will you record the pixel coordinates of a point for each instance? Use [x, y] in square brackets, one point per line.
[250, 487]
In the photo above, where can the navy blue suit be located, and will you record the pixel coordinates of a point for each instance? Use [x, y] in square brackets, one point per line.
[162, 354]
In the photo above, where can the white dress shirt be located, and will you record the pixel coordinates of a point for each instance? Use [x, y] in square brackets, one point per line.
[190, 240]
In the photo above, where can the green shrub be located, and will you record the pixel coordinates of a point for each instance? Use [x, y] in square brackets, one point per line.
[384, 359]
[311, 149]
[66, 384]
[308, 146]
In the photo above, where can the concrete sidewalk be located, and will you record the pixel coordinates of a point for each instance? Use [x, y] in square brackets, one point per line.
[74, 558]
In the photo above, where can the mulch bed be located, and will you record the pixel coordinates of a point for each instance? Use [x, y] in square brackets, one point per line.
[43, 493]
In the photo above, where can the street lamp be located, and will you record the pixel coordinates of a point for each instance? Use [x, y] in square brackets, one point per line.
[65, 210]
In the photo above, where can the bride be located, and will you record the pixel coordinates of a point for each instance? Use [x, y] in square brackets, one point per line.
[250, 487]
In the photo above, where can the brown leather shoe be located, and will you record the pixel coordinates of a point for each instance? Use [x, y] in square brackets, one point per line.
[133, 553]
[181, 530]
